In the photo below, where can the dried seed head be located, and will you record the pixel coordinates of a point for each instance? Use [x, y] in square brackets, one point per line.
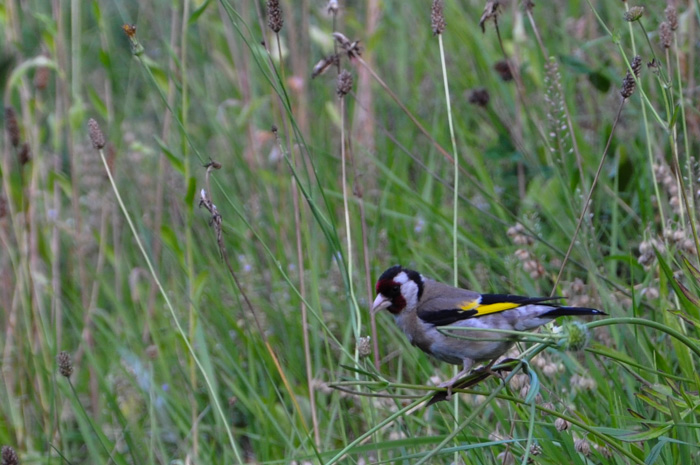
[364, 346]
[274, 16]
[325, 64]
[634, 13]
[629, 83]
[479, 97]
[665, 34]
[9, 456]
[529, 5]
[25, 154]
[344, 83]
[561, 425]
[503, 69]
[11, 126]
[672, 16]
[65, 364]
[582, 446]
[96, 135]
[548, 406]
[351, 48]
[129, 30]
[505, 458]
[604, 451]
[437, 17]
[491, 11]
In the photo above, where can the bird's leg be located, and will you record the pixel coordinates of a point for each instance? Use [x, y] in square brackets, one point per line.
[466, 368]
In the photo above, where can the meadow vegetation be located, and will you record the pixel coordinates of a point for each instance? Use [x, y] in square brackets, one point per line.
[196, 197]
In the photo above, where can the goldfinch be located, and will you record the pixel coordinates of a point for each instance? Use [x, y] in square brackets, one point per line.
[420, 306]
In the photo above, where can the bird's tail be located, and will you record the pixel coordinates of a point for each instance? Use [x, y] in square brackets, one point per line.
[571, 311]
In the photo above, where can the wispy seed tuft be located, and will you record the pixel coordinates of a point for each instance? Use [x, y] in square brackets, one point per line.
[96, 135]
[274, 16]
[629, 84]
[437, 17]
[65, 364]
[344, 83]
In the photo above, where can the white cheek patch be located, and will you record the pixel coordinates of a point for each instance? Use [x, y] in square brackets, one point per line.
[409, 291]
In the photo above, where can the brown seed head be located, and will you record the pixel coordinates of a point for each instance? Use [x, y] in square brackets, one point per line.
[11, 126]
[479, 97]
[672, 16]
[629, 83]
[41, 77]
[96, 135]
[503, 69]
[25, 154]
[437, 17]
[528, 5]
[665, 34]
[9, 456]
[344, 83]
[274, 16]
[633, 14]
[65, 364]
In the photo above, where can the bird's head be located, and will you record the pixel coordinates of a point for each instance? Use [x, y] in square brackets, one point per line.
[398, 289]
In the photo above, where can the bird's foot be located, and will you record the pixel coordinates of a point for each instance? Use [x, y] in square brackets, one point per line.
[448, 385]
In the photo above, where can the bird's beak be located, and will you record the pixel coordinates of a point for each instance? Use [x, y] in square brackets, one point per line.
[380, 303]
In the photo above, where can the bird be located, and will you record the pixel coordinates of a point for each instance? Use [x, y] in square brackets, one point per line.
[421, 306]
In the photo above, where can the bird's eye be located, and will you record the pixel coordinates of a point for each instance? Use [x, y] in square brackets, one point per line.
[395, 288]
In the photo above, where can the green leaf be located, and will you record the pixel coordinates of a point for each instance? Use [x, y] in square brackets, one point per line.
[674, 118]
[97, 102]
[576, 65]
[635, 436]
[177, 163]
[198, 12]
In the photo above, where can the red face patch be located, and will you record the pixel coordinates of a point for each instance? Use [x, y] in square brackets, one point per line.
[392, 291]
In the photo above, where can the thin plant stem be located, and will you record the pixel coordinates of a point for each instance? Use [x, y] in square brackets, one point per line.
[588, 199]
[455, 200]
[171, 310]
[300, 265]
[348, 231]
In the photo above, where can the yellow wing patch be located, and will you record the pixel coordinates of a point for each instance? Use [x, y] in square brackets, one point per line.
[470, 304]
[490, 308]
